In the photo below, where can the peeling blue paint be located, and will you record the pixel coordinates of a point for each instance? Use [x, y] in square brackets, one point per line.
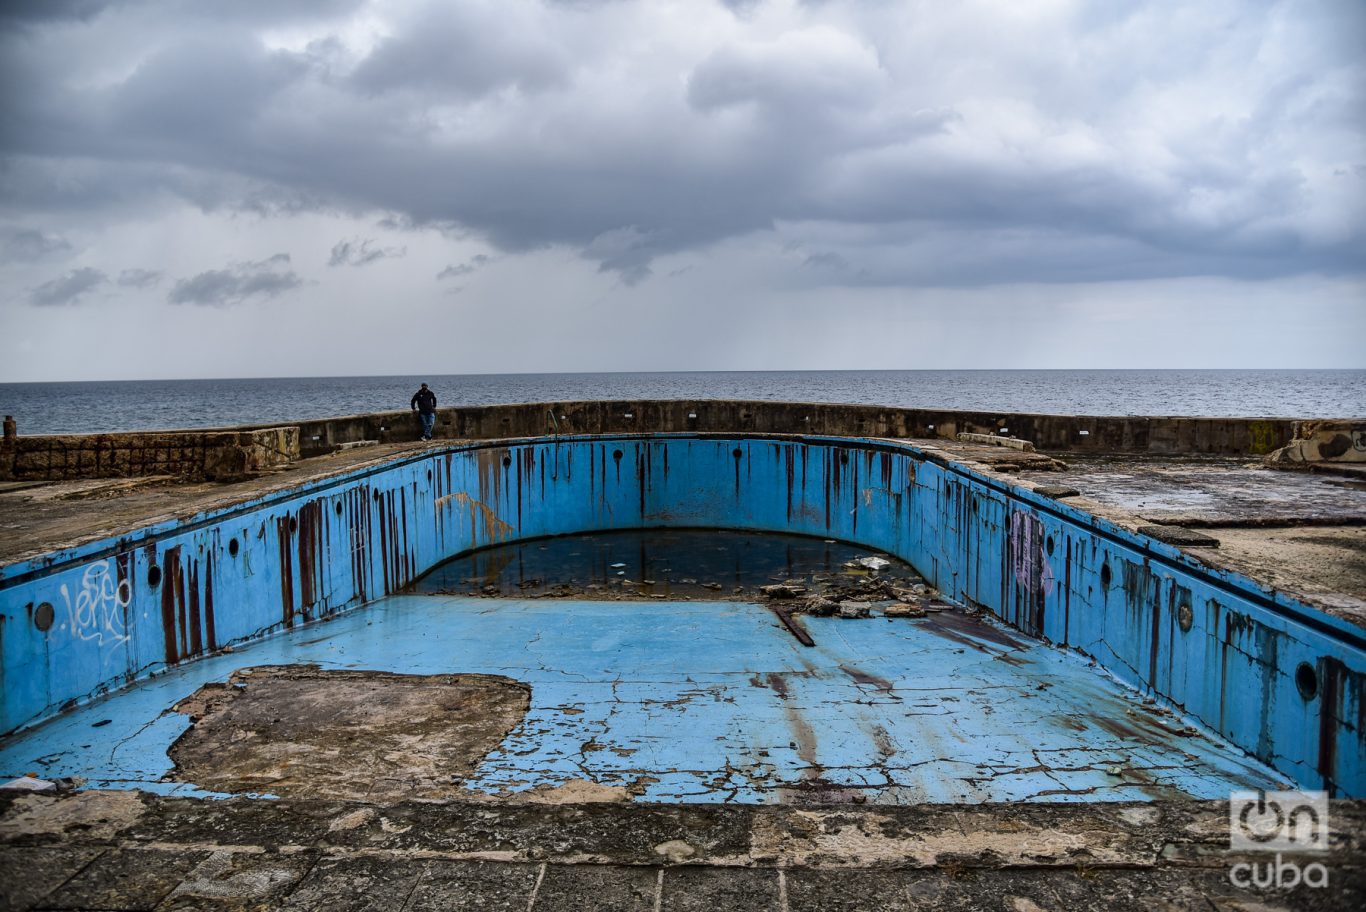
[713, 701]
[1048, 569]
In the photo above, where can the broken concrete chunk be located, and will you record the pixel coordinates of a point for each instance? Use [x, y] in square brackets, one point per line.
[993, 440]
[783, 591]
[854, 609]
[819, 606]
[1057, 492]
[29, 784]
[904, 610]
[1179, 535]
[869, 563]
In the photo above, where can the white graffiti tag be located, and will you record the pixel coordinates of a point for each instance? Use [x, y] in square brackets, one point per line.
[96, 613]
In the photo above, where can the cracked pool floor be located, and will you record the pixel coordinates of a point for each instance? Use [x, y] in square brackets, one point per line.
[710, 702]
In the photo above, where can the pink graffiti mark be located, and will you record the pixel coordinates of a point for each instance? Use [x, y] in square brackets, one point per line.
[1030, 564]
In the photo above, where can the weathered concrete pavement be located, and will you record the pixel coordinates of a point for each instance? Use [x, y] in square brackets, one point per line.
[134, 851]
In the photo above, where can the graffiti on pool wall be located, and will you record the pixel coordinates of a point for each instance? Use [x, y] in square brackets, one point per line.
[96, 612]
[1030, 565]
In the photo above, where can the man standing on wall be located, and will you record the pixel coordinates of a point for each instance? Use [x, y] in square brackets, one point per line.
[424, 403]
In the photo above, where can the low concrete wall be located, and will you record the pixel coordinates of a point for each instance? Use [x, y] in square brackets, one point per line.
[1059, 433]
[214, 454]
[173, 452]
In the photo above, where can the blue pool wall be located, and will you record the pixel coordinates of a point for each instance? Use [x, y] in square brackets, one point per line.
[1279, 679]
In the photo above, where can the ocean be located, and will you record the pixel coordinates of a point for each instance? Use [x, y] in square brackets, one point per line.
[98, 407]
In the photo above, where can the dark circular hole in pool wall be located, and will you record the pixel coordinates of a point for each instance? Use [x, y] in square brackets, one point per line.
[1307, 681]
[44, 616]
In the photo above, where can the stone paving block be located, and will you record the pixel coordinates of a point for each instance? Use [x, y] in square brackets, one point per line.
[238, 880]
[715, 889]
[597, 888]
[476, 886]
[363, 884]
[849, 891]
[27, 875]
[236, 822]
[129, 880]
[548, 832]
[1097, 890]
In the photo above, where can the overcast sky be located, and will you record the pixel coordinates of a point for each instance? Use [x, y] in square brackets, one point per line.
[323, 187]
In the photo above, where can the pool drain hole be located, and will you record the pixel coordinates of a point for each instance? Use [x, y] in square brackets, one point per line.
[1307, 681]
[43, 617]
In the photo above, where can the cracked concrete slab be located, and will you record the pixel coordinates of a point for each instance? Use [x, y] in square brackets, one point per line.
[304, 731]
[651, 702]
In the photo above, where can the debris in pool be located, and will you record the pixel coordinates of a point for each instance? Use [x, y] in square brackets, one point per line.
[617, 566]
[818, 605]
[853, 609]
[783, 591]
[101, 723]
[904, 610]
[869, 563]
[29, 783]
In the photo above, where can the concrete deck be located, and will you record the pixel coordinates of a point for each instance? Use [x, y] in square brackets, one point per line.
[132, 851]
[40, 517]
[1296, 532]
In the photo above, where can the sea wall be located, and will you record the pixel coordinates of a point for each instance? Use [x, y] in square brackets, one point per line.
[1060, 433]
[1273, 676]
[183, 452]
[219, 454]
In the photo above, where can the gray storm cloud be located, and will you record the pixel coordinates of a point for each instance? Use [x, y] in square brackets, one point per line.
[223, 287]
[676, 154]
[67, 288]
[19, 245]
[538, 123]
[140, 278]
[361, 253]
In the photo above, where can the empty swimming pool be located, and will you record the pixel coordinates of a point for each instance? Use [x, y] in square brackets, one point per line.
[1074, 660]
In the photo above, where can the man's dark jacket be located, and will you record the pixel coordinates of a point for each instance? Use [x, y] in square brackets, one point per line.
[424, 401]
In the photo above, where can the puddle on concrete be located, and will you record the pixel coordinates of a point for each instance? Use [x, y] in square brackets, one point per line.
[667, 564]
